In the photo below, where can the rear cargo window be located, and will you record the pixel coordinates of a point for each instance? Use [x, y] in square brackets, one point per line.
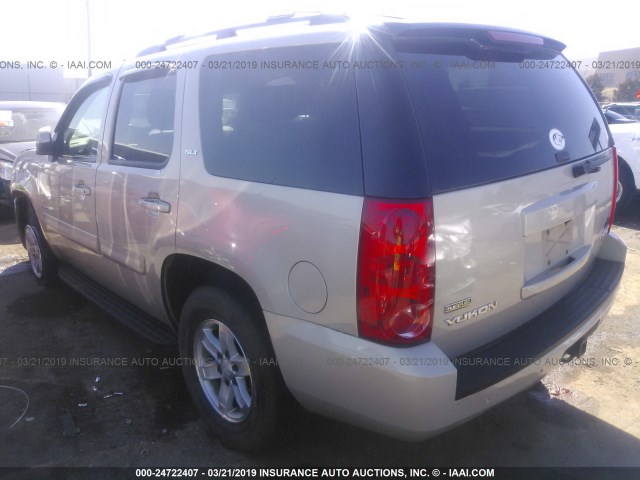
[485, 121]
[278, 116]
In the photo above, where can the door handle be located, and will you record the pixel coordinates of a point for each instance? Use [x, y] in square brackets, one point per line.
[155, 205]
[82, 189]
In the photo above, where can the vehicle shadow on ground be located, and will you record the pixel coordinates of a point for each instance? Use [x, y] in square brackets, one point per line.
[531, 429]
[630, 216]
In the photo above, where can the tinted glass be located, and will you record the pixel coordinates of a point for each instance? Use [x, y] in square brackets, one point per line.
[486, 121]
[144, 126]
[614, 118]
[630, 111]
[281, 117]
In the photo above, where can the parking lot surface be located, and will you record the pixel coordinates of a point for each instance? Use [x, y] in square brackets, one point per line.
[55, 346]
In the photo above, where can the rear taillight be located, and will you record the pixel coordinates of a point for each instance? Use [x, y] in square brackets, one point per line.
[396, 271]
[615, 188]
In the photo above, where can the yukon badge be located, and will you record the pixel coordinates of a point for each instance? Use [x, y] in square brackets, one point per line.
[473, 313]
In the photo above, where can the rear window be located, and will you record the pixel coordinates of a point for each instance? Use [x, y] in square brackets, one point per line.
[281, 116]
[485, 121]
[632, 111]
[22, 124]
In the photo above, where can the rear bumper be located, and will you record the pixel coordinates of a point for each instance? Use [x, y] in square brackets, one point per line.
[414, 393]
[477, 370]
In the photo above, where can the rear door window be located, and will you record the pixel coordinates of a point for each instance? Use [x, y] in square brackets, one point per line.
[145, 124]
[490, 120]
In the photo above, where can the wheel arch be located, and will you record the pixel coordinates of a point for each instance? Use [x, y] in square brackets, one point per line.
[182, 274]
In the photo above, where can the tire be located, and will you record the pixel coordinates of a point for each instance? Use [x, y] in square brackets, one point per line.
[43, 262]
[258, 411]
[626, 187]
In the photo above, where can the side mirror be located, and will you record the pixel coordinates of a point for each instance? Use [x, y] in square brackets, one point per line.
[44, 142]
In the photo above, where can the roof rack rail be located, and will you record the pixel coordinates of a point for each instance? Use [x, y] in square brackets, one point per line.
[290, 17]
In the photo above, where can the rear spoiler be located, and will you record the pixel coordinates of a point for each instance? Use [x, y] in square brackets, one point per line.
[474, 41]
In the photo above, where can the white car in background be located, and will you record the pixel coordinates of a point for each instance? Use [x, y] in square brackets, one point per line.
[626, 135]
[626, 109]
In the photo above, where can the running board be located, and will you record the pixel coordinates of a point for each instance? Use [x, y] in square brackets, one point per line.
[129, 315]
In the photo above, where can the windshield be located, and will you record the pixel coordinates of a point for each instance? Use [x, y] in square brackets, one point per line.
[613, 117]
[22, 124]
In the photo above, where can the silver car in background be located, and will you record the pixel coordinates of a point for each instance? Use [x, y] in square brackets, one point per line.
[19, 125]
